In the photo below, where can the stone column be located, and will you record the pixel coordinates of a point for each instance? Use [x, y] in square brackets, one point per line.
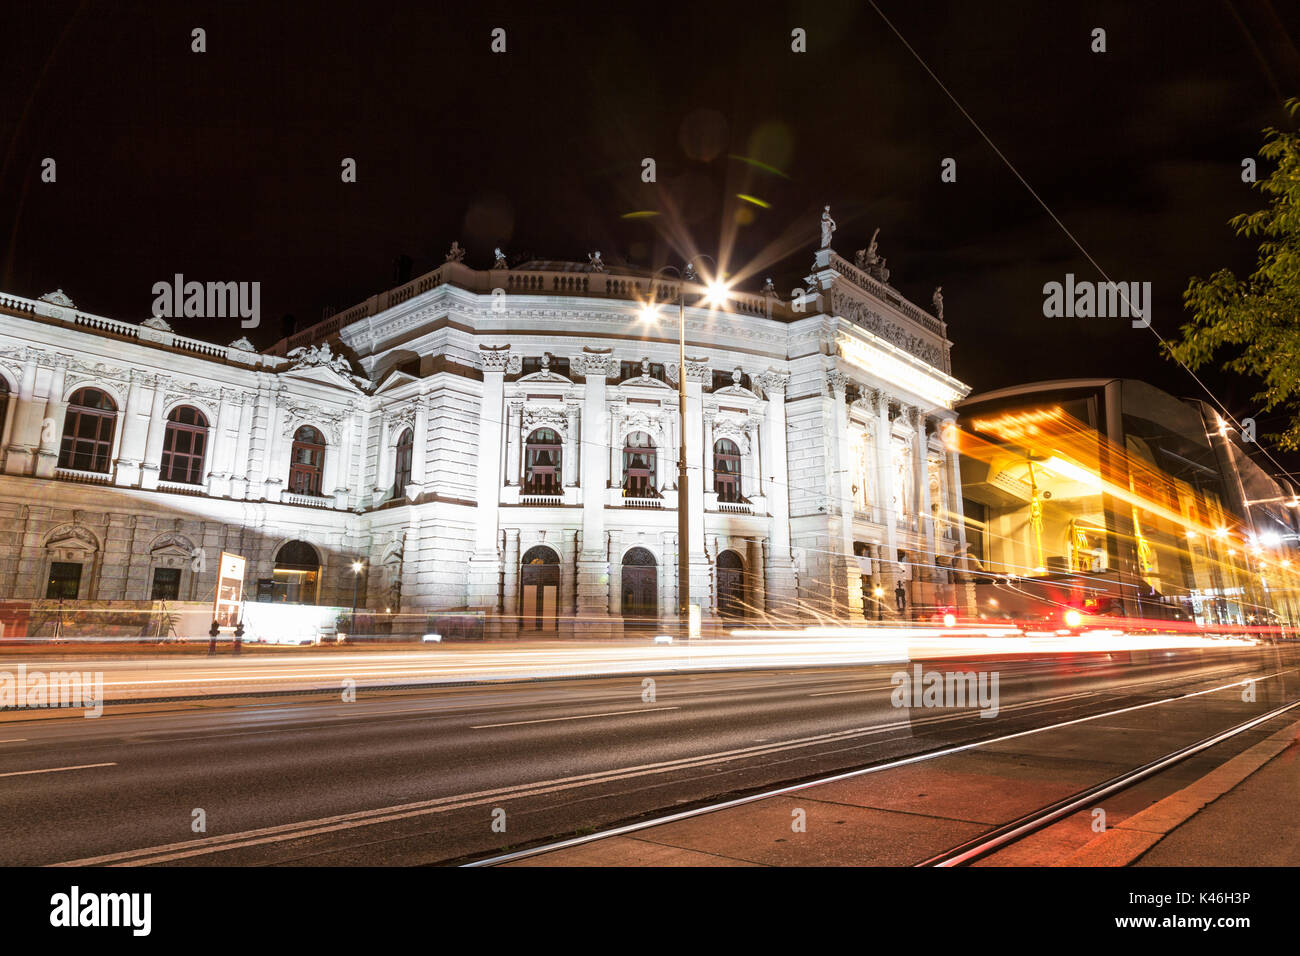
[267, 428]
[613, 442]
[710, 416]
[568, 578]
[338, 488]
[750, 486]
[514, 441]
[27, 414]
[923, 575]
[846, 592]
[593, 561]
[962, 583]
[384, 457]
[511, 588]
[420, 453]
[697, 370]
[781, 588]
[483, 582]
[156, 437]
[755, 568]
[573, 446]
[360, 489]
[335, 450]
[889, 516]
[143, 406]
[220, 452]
[47, 456]
[239, 468]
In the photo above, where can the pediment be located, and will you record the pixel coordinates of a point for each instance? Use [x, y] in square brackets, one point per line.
[395, 379]
[738, 391]
[322, 375]
[645, 381]
[545, 376]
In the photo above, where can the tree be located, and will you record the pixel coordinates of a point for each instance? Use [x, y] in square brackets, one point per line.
[1258, 317]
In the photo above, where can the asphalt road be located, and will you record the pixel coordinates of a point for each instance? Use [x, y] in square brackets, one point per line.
[415, 777]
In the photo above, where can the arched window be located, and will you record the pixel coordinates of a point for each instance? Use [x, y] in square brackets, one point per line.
[88, 431]
[726, 470]
[639, 464]
[296, 573]
[402, 468]
[184, 444]
[307, 461]
[543, 457]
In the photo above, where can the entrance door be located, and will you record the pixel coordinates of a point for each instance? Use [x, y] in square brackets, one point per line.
[541, 590]
[731, 585]
[640, 589]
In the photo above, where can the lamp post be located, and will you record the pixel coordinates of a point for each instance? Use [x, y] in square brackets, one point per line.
[878, 592]
[716, 294]
[357, 568]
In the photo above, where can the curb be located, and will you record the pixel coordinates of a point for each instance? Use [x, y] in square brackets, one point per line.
[1123, 844]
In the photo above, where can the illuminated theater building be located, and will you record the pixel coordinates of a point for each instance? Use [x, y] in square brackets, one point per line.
[1115, 497]
[500, 441]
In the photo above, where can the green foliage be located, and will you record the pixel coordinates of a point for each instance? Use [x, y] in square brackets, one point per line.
[1257, 318]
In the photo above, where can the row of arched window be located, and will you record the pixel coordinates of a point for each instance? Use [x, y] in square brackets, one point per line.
[87, 445]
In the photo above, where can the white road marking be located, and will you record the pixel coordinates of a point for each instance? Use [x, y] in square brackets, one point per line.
[551, 720]
[84, 766]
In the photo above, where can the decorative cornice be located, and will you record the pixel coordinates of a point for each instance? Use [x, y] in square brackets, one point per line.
[862, 314]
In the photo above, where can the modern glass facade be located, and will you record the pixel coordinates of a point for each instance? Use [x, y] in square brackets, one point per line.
[1113, 497]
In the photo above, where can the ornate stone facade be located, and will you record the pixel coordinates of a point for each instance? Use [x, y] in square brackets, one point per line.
[509, 452]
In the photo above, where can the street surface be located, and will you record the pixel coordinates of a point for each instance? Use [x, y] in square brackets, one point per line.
[414, 776]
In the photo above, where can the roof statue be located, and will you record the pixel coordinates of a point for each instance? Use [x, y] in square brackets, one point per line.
[597, 264]
[828, 227]
[320, 356]
[58, 297]
[937, 299]
[457, 254]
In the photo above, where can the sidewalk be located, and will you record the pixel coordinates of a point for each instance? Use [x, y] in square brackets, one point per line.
[1241, 813]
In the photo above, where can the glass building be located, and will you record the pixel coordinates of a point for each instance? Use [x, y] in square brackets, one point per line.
[1113, 497]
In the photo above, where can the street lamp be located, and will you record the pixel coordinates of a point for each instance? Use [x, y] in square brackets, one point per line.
[357, 568]
[878, 592]
[716, 293]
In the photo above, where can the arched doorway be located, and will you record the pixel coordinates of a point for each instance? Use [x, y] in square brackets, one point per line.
[296, 574]
[540, 578]
[640, 588]
[731, 585]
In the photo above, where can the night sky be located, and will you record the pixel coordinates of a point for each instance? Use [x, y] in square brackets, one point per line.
[225, 165]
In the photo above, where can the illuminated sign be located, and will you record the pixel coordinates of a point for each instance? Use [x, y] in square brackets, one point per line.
[230, 590]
